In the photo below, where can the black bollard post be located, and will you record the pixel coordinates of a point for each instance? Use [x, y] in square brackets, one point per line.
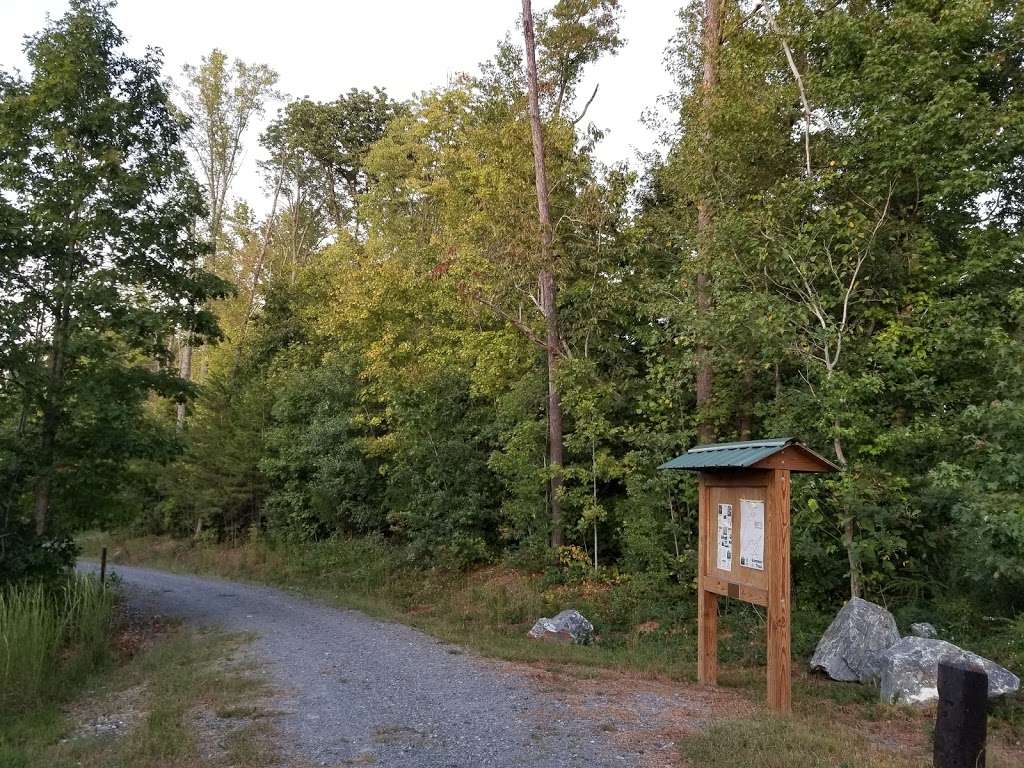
[962, 720]
[103, 565]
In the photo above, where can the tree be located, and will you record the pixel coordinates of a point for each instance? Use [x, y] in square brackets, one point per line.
[329, 141]
[548, 287]
[220, 100]
[572, 35]
[880, 232]
[848, 180]
[581, 33]
[317, 160]
[711, 41]
[100, 252]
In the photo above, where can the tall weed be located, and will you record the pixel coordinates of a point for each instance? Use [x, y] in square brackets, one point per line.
[49, 636]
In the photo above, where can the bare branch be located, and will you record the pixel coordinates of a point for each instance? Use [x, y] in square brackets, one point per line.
[268, 234]
[741, 23]
[507, 317]
[587, 105]
[800, 88]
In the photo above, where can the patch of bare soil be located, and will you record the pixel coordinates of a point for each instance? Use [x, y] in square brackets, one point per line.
[240, 727]
[136, 632]
[646, 716]
[652, 717]
[112, 715]
[115, 713]
[906, 730]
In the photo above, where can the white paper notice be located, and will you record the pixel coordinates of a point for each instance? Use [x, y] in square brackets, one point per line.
[752, 534]
[725, 537]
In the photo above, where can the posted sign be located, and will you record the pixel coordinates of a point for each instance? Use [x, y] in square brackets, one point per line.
[752, 541]
[744, 543]
[725, 537]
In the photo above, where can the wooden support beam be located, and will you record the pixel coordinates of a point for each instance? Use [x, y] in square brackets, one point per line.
[742, 592]
[777, 545]
[707, 602]
[707, 637]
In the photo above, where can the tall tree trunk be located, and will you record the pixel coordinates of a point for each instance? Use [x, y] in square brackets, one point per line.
[42, 501]
[44, 476]
[185, 372]
[548, 287]
[711, 42]
[849, 526]
[51, 420]
[745, 421]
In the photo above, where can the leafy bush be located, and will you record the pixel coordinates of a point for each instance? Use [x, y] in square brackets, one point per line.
[24, 556]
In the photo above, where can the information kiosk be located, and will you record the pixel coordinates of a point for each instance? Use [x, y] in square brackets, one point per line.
[743, 543]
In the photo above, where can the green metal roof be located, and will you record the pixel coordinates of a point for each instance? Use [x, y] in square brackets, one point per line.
[725, 455]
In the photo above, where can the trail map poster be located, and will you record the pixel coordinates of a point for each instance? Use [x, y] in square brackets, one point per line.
[725, 537]
[752, 534]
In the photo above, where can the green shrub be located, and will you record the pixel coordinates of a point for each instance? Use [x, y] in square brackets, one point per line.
[26, 556]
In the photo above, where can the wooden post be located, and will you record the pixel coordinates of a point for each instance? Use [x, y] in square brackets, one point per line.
[779, 691]
[707, 602]
[103, 565]
[707, 637]
[962, 718]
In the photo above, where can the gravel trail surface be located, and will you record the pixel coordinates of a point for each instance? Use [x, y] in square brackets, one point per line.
[358, 691]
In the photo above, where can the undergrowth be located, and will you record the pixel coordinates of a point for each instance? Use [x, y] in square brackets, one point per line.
[51, 637]
[184, 699]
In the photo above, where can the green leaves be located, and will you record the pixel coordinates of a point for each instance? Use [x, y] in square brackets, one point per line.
[393, 381]
[97, 232]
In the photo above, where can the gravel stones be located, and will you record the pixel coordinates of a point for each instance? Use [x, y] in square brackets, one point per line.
[910, 670]
[355, 690]
[852, 646]
[569, 626]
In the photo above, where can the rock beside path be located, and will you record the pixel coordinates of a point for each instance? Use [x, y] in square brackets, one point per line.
[569, 626]
[852, 646]
[911, 667]
[924, 629]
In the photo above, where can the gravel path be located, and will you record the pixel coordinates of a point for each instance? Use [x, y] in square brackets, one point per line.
[358, 691]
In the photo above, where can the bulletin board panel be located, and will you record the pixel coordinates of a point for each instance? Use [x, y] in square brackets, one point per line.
[734, 518]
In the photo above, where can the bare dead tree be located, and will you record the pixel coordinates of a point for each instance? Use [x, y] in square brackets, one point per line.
[711, 41]
[799, 80]
[547, 284]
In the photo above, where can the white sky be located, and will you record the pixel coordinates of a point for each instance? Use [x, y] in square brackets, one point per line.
[322, 48]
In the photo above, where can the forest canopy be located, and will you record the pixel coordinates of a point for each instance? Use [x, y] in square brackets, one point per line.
[829, 248]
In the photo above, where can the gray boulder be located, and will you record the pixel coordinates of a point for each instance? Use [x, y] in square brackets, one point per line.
[569, 626]
[851, 648]
[911, 668]
[924, 629]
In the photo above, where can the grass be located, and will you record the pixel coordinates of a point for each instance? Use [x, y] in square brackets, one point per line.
[642, 628]
[770, 742]
[50, 638]
[185, 701]
[806, 742]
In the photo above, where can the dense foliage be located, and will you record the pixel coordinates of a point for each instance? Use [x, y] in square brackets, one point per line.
[100, 267]
[835, 230]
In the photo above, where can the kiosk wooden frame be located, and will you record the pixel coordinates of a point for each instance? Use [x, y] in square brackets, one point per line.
[752, 478]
